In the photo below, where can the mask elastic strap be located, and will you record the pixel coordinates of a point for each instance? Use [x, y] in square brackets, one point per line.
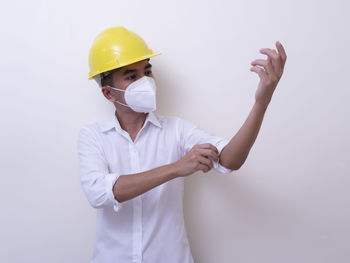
[119, 101]
[116, 88]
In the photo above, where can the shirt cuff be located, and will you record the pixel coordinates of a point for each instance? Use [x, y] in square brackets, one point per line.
[111, 179]
[216, 165]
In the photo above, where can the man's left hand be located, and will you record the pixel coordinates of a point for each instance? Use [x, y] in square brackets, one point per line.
[270, 72]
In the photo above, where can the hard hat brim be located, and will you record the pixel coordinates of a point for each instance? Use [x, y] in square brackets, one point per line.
[92, 75]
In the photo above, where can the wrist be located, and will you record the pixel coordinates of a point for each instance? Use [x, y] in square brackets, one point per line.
[262, 106]
[174, 170]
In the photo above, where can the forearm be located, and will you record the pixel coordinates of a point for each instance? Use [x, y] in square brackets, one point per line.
[236, 151]
[132, 185]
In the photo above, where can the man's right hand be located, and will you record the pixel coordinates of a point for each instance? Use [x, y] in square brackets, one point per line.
[199, 158]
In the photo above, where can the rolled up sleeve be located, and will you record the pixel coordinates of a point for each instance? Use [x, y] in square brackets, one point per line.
[192, 135]
[220, 144]
[96, 180]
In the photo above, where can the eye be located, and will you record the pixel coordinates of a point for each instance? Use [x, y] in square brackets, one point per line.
[148, 72]
[132, 77]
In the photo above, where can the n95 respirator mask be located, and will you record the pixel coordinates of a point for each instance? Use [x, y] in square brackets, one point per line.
[140, 95]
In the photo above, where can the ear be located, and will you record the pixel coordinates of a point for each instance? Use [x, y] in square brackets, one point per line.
[107, 93]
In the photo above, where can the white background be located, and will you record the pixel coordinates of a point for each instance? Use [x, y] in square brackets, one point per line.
[290, 202]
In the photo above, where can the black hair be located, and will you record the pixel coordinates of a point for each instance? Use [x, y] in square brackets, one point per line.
[107, 78]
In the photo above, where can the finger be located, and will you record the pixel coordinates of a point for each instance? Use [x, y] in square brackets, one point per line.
[209, 153]
[264, 63]
[208, 146]
[205, 161]
[279, 71]
[274, 57]
[282, 52]
[203, 167]
[261, 72]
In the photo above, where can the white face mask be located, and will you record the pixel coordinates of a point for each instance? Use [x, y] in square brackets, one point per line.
[140, 95]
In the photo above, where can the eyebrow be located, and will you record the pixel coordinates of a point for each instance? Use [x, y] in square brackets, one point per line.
[128, 71]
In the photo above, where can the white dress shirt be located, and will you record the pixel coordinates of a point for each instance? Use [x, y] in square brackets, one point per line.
[150, 227]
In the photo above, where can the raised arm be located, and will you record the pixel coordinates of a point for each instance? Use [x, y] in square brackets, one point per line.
[270, 71]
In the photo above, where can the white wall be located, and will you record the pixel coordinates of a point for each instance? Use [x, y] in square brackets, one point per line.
[288, 203]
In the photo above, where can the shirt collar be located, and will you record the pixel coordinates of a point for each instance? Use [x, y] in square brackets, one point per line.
[153, 118]
[114, 123]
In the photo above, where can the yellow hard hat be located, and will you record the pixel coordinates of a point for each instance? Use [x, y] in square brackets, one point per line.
[117, 47]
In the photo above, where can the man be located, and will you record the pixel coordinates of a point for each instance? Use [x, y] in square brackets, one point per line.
[132, 167]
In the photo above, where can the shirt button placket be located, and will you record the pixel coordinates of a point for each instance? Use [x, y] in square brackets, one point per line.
[137, 220]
